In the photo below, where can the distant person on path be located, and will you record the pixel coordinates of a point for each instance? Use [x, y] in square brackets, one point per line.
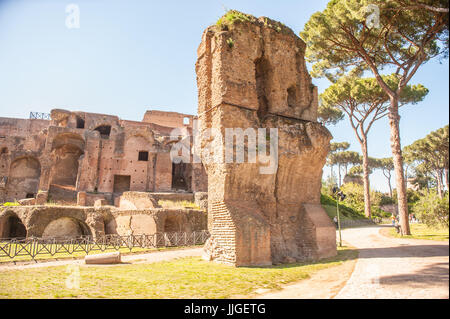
[335, 221]
[397, 226]
[393, 220]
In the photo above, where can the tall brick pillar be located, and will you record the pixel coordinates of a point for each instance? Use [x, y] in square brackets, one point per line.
[252, 74]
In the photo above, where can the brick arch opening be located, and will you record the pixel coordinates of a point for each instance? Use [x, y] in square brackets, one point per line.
[66, 227]
[11, 226]
[104, 130]
[181, 176]
[65, 168]
[172, 225]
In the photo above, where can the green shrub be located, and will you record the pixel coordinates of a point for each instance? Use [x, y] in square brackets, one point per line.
[355, 199]
[386, 200]
[329, 202]
[432, 210]
[412, 196]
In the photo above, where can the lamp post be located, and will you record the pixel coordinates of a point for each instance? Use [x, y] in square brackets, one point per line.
[339, 196]
[339, 221]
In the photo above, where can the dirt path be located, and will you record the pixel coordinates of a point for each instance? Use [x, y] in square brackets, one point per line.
[134, 258]
[386, 268]
[396, 268]
[324, 284]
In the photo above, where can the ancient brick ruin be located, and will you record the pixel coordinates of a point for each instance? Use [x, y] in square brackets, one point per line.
[107, 174]
[98, 154]
[80, 158]
[74, 221]
[251, 73]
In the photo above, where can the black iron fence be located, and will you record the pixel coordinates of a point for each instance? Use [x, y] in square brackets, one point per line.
[33, 246]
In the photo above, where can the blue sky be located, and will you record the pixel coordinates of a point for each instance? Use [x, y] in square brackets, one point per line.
[130, 56]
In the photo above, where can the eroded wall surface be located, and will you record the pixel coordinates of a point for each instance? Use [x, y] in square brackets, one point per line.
[253, 75]
[93, 153]
[65, 221]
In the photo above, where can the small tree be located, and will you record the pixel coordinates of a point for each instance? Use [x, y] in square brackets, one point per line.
[432, 154]
[433, 210]
[387, 166]
[334, 148]
[343, 160]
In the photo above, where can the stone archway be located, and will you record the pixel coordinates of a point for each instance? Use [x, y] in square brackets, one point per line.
[181, 176]
[66, 227]
[11, 226]
[172, 225]
[67, 149]
[65, 169]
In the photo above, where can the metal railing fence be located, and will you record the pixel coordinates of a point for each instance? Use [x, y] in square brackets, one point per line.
[34, 246]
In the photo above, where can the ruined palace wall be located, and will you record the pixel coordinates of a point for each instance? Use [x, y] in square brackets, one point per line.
[54, 221]
[252, 75]
[80, 151]
[21, 127]
[169, 119]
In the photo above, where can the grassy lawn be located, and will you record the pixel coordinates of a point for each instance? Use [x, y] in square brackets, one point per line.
[419, 231]
[332, 211]
[181, 278]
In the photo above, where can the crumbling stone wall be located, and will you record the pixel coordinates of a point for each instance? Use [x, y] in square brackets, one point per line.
[65, 221]
[251, 73]
[94, 153]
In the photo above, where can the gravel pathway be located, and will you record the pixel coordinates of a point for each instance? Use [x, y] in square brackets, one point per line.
[393, 268]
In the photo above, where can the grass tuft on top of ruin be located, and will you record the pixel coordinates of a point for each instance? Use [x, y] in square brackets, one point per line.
[231, 17]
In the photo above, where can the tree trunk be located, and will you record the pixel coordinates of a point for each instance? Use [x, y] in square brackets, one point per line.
[365, 154]
[446, 179]
[406, 177]
[339, 173]
[394, 120]
[390, 186]
[439, 183]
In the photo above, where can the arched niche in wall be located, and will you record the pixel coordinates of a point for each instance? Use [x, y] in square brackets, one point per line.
[104, 130]
[11, 226]
[66, 227]
[24, 176]
[67, 149]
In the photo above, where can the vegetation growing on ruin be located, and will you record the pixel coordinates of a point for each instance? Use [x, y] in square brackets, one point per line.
[177, 204]
[234, 16]
[230, 42]
[183, 278]
[7, 204]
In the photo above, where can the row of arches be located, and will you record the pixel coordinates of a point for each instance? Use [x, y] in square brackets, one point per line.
[11, 226]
